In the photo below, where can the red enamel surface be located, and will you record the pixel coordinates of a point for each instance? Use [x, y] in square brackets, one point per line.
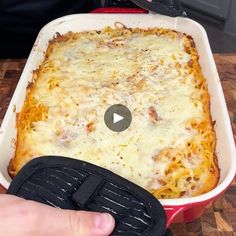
[120, 10]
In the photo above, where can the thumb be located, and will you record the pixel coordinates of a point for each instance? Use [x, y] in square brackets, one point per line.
[82, 223]
[21, 217]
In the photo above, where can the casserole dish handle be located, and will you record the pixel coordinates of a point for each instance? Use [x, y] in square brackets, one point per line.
[172, 212]
[119, 10]
[169, 8]
[186, 213]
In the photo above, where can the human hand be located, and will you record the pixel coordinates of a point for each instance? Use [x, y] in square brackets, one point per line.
[21, 217]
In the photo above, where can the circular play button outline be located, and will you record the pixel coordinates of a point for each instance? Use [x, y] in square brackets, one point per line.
[117, 118]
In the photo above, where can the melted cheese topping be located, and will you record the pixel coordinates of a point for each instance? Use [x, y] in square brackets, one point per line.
[84, 73]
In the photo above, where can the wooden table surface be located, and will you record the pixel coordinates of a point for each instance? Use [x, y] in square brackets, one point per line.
[220, 219]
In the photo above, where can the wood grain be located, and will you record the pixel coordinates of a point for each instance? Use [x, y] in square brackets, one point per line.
[220, 219]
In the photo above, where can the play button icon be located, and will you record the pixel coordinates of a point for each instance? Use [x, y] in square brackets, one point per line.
[118, 118]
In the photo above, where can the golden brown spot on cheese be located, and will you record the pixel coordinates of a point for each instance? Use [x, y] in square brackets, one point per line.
[177, 65]
[90, 127]
[190, 63]
[139, 86]
[153, 117]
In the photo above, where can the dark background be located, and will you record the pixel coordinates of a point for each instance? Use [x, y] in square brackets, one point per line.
[21, 20]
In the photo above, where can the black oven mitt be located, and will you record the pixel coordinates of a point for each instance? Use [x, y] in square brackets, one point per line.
[73, 184]
[166, 7]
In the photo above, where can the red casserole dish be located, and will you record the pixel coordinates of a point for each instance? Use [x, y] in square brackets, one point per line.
[177, 210]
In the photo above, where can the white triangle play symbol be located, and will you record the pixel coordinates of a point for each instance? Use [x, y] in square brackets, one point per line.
[117, 118]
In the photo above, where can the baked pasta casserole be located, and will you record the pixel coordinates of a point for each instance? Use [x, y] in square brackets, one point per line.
[169, 148]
